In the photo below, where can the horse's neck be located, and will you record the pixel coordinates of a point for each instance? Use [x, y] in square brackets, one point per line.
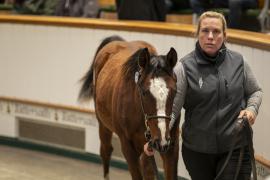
[132, 91]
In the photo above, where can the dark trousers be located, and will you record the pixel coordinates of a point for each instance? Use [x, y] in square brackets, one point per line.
[207, 166]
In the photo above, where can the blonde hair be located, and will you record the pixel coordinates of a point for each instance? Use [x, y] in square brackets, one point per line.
[212, 14]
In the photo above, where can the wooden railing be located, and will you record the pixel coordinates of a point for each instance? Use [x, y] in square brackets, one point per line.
[251, 39]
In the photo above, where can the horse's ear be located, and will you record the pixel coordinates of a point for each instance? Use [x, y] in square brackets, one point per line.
[144, 57]
[172, 57]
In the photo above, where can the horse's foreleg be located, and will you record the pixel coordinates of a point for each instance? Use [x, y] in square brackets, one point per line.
[106, 148]
[170, 162]
[132, 157]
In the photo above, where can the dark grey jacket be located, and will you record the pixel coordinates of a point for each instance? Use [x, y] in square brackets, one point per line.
[213, 92]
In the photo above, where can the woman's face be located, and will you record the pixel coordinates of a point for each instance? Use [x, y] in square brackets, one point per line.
[211, 35]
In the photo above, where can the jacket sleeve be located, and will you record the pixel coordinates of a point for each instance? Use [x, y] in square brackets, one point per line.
[180, 92]
[253, 91]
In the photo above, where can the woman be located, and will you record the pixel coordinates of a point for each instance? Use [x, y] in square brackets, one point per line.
[215, 86]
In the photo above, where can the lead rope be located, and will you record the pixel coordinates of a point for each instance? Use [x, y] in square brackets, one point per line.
[239, 164]
[242, 124]
[236, 131]
[248, 131]
[137, 77]
[251, 149]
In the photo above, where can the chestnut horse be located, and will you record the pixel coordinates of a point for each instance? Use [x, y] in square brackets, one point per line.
[133, 90]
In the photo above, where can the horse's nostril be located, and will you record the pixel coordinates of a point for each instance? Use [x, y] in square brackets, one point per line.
[147, 135]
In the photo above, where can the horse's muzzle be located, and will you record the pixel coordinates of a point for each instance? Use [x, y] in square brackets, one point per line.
[157, 145]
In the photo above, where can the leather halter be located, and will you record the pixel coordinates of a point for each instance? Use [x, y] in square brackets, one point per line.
[146, 116]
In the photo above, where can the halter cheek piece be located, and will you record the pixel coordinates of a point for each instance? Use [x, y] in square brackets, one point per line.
[146, 116]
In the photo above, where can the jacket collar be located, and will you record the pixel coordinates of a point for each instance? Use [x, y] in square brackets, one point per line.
[202, 58]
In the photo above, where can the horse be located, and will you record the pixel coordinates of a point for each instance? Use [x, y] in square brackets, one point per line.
[133, 90]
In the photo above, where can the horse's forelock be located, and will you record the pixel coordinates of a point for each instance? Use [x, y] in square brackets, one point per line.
[157, 64]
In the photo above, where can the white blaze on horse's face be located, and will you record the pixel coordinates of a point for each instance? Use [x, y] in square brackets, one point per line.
[160, 91]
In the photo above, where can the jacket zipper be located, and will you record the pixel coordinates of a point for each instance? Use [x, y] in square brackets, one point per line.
[218, 106]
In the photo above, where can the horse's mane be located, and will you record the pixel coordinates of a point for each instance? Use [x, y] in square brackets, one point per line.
[131, 66]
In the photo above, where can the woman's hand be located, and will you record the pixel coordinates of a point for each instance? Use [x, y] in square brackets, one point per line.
[148, 150]
[249, 114]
